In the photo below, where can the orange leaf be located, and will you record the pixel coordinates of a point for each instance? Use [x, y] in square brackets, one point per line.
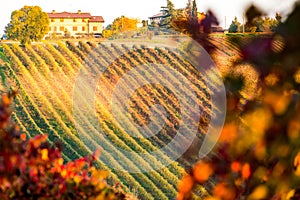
[246, 171]
[5, 99]
[229, 133]
[202, 171]
[222, 191]
[235, 166]
[23, 136]
[186, 184]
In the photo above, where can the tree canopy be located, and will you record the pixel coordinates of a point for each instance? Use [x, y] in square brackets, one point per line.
[169, 12]
[120, 25]
[123, 23]
[234, 26]
[28, 24]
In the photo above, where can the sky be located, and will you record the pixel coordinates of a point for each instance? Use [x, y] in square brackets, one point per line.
[142, 9]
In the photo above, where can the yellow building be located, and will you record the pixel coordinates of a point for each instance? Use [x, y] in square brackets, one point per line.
[74, 24]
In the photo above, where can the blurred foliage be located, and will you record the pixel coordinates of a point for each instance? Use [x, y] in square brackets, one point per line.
[33, 169]
[258, 154]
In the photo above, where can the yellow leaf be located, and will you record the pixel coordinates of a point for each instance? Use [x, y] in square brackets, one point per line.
[259, 192]
[297, 164]
[63, 173]
[290, 194]
[44, 153]
[99, 174]
[60, 161]
[77, 179]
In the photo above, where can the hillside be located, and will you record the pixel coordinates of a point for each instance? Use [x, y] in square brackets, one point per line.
[46, 75]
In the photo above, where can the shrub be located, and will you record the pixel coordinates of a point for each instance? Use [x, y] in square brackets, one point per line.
[32, 168]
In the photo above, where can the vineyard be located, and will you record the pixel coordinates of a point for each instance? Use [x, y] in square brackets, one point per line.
[45, 74]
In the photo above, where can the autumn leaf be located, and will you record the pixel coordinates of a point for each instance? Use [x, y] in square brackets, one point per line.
[224, 192]
[229, 132]
[44, 154]
[185, 185]
[235, 166]
[5, 99]
[246, 171]
[260, 192]
[23, 136]
[297, 164]
[202, 171]
[99, 174]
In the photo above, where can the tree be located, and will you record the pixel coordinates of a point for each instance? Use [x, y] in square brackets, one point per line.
[169, 12]
[269, 24]
[107, 33]
[192, 11]
[186, 20]
[171, 8]
[122, 24]
[234, 26]
[28, 24]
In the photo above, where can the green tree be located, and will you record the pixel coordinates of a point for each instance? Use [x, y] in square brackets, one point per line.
[234, 26]
[170, 14]
[28, 24]
[192, 11]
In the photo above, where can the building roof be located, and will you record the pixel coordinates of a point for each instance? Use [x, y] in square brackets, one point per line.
[69, 15]
[96, 19]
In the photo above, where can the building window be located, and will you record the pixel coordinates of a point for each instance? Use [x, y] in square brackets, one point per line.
[55, 28]
[83, 28]
[74, 20]
[61, 20]
[83, 20]
[52, 20]
[95, 28]
[74, 28]
[61, 28]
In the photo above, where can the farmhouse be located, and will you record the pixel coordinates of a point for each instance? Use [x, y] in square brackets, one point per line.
[74, 24]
